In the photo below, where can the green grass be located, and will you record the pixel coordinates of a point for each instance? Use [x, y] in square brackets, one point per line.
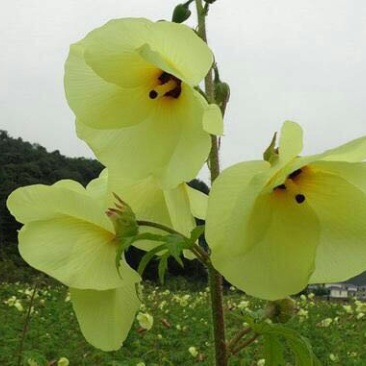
[181, 320]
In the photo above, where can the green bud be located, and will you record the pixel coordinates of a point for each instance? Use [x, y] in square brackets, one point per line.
[181, 13]
[123, 219]
[281, 311]
[222, 92]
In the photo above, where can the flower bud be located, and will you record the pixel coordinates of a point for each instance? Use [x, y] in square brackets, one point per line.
[271, 153]
[123, 219]
[281, 311]
[181, 13]
[222, 92]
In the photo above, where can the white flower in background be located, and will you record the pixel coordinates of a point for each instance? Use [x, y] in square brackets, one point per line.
[145, 320]
[193, 351]
[325, 323]
[63, 361]
[348, 309]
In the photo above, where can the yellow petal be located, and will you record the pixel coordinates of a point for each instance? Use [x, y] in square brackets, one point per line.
[179, 209]
[352, 151]
[98, 189]
[178, 205]
[341, 209]
[212, 120]
[41, 202]
[171, 145]
[290, 144]
[285, 235]
[198, 202]
[111, 51]
[105, 317]
[182, 48]
[75, 252]
[146, 199]
[234, 192]
[155, 59]
[101, 104]
[70, 185]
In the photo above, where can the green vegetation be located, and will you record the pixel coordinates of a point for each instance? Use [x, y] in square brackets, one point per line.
[181, 320]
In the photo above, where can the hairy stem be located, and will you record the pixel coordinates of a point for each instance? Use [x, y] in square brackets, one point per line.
[214, 277]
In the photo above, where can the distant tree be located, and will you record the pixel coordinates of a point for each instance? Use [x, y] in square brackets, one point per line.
[23, 163]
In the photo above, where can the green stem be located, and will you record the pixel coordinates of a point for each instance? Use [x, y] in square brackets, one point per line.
[159, 226]
[236, 339]
[195, 249]
[244, 344]
[214, 277]
[26, 323]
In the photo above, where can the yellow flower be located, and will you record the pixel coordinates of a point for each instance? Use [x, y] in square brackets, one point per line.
[131, 86]
[67, 235]
[274, 226]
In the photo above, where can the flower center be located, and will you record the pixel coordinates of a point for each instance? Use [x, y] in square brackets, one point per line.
[169, 86]
[292, 187]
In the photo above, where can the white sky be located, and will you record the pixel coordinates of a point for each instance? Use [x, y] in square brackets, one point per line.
[284, 59]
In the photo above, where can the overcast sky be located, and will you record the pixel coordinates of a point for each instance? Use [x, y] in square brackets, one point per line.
[284, 59]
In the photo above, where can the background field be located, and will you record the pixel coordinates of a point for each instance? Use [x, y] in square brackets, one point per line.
[337, 331]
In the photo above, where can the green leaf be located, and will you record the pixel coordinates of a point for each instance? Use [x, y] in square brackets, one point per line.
[175, 245]
[163, 265]
[148, 257]
[123, 245]
[273, 350]
[196, 233]
[300, 346]
[172, 245]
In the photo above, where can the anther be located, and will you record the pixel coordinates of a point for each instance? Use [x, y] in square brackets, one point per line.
[281, 186]
[300, 198]
[169, 86]
[295, 174]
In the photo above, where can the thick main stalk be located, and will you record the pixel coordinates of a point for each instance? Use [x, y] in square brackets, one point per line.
[214, 277]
